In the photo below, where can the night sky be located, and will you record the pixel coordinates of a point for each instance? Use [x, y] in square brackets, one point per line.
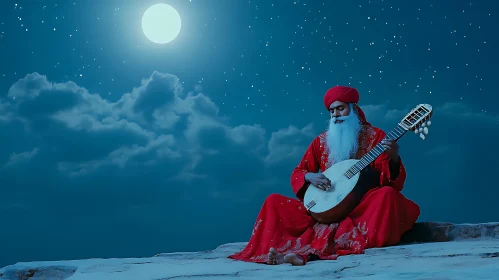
[114, 146]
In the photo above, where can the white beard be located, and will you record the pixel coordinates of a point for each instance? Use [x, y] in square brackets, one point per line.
[342, 138]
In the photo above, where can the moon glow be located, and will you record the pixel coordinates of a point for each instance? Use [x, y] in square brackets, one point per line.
[161, 23]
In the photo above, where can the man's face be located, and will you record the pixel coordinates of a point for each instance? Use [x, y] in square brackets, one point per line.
[339, 109]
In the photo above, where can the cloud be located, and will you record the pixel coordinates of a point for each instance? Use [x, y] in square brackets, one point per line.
[21, 157]
[155, 125]
[462, 111]
[151, 124]
[156, 135]
[289, 144]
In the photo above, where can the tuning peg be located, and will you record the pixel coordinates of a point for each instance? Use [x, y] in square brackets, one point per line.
[428, 123]
[416, 131]
[423, 124]
[420, 130]
[422, 136]
[425, 130]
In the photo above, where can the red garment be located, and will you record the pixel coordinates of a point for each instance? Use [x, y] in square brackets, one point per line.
[380, 219]
[342, 94]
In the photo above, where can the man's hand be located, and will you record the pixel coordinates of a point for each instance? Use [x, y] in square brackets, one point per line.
[392, 148]
[318, 180]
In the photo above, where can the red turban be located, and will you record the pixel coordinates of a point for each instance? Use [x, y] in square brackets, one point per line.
[342, 94]
[347, 95]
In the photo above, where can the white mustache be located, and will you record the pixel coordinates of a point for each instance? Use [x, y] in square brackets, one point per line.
[340, 118]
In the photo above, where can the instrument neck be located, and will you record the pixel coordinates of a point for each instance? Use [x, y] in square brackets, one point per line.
[375, 152]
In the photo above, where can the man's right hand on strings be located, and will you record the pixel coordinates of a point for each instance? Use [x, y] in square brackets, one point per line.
[318, 180]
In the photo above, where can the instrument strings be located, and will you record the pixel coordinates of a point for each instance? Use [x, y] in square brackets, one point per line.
[332, 184]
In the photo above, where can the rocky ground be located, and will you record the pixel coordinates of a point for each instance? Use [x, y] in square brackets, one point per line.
[429, 251]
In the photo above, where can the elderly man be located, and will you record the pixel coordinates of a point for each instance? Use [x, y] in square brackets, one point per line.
[285, 232]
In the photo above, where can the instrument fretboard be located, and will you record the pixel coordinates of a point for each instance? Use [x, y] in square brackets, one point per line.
[375, 152]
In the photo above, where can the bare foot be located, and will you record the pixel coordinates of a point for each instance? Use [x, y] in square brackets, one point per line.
[275, 257]
[293, 259]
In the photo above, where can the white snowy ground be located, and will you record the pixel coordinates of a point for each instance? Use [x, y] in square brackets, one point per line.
[469, 259]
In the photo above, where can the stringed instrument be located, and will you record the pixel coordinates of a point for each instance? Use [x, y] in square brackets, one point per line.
[335, 203]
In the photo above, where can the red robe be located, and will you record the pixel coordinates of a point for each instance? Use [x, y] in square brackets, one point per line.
[380, 219]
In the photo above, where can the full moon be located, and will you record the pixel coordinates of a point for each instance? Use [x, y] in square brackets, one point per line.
[161, 23]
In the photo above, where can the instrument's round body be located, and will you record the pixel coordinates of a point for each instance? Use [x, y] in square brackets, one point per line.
[335, 204]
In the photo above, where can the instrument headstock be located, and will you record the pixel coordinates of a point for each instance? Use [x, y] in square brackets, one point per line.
[418, 120]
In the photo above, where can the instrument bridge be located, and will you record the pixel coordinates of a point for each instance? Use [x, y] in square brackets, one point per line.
[310, 205]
